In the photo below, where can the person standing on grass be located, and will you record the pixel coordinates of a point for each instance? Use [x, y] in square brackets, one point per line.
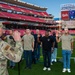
[47, 42]
[67, 49]
[33, 52]
[37, 45]
[28, 41]
[54, 54]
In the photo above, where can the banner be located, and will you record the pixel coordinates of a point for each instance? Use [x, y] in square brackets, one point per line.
[72, 14]
[65, 15]
[68, 11]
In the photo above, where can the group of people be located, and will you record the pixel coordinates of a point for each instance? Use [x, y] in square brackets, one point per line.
[32, 44]
[49, 43]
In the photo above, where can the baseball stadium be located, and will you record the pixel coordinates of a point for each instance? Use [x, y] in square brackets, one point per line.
[18, 15]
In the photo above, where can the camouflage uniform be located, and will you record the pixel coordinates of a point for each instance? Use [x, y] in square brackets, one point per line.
[7, 52]
[10, 41]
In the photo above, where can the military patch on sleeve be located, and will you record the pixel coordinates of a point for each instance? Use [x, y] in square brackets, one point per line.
[7, 47]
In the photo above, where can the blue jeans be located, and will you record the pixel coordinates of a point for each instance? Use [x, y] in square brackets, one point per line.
[12, 63]
[54, 54]
[66, 58]
[37, 52]
[47, 58]
[24, 54]
[28, 58]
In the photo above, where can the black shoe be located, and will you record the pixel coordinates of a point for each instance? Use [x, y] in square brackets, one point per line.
[9, 66]
[26, 68]
[29, 68]
[34, 62]
[12, 67]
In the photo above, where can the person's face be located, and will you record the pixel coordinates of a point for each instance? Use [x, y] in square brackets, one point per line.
[37, 31]
[66, 31]
[50, 33]
[27, 31]
[10, 32]
[24, 33]
[46, 33]
[1, 31]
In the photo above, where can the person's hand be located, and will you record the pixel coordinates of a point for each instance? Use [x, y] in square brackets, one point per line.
[52, 50]
[41, 46]
[16, 36]
[43, 35]
[32, 50]
[72, 51]
[38, 35]
[57, 35]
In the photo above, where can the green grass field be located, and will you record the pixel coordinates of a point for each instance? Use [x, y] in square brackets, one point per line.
[56, 68]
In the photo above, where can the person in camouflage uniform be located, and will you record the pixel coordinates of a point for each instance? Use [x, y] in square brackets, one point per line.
[8, 52]
[10, 40]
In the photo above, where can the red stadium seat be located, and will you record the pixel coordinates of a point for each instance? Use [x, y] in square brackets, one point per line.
[20, 17]
[6, 6]
[19, 9]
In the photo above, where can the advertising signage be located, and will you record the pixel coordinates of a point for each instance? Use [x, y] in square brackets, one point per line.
[72, 14]
[65, 15]
[68, 7]
[68, 11]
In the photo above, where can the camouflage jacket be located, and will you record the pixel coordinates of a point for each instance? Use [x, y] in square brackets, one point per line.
[9, 52]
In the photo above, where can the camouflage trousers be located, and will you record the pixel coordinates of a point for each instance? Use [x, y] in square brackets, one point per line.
[3, 67]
